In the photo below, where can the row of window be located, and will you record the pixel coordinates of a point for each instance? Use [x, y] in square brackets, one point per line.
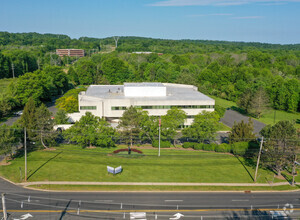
[88, 107]
[165, 107]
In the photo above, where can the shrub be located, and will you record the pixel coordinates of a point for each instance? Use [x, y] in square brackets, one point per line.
[188, 144]
[198, 146]
[224, 148]
[209, 147]
[239, 148]
[163, 144]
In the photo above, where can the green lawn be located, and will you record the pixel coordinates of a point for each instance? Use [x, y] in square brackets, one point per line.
[223, 127]
[268, 115]
[223, 102]
[4, 84]
[70, 163]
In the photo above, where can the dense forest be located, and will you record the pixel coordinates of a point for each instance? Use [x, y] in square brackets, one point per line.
[255, 75]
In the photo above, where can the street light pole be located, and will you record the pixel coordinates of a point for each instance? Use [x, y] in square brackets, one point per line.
[159, 125]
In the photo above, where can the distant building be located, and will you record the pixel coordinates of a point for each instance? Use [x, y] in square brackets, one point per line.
[110, 101]
[70, 52]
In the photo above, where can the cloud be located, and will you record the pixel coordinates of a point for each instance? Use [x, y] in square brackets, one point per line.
[217, 2]
[248, 17]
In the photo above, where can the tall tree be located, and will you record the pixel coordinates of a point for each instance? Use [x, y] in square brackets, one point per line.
[258, 103]
[91, 130]
[242, 131]
[9, 137]
[28, 118]
[171, 122]
[204, 126]
[61, 117]
[281, 144]
[130, 124]
[44, 125]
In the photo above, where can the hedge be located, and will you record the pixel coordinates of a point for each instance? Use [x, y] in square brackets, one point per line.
[237, 148]
[189, 144]
[126, 149]
[163, 144]
[198, 146]
[224, 148]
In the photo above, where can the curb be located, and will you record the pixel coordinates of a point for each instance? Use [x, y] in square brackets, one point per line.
[26, 184]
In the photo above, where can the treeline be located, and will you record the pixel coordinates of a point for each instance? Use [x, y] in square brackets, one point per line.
[26, 52]
[132, 44]
[41, 85]
[231, 76]
[47, 42]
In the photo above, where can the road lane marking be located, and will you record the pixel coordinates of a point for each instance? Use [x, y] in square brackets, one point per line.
[153, 210]
[240, 200]
[103, 200]
[173, 200]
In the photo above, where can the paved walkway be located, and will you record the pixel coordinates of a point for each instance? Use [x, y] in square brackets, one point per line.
[148, 183]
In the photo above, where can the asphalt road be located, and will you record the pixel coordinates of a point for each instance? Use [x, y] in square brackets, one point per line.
[50, 105]
[155, 205]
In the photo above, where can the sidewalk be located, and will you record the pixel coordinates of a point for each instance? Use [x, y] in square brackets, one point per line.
[147, 184]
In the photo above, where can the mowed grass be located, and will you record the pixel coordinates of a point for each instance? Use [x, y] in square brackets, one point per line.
[71, 163]
[4, 84]
[269, 116]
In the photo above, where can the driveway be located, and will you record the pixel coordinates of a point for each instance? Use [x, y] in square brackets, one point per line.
[51, 106]
[231, 116]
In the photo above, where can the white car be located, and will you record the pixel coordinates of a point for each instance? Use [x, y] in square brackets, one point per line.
[19, 113]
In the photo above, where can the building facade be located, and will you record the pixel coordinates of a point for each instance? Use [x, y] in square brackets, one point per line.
[70, 52]
[110, 101]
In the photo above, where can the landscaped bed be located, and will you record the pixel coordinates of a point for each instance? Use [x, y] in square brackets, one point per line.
[71, 163]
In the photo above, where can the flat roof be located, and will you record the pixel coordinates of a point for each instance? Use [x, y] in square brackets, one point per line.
[174, 92]
[144, 84]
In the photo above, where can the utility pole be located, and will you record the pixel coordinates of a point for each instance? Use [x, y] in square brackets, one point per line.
[258, 159]
[294, 169]
[13, 69]
[25, 150]
[116, 40]
[4, 207]
[159, 125]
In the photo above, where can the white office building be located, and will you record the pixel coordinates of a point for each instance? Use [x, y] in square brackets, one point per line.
[110, 101]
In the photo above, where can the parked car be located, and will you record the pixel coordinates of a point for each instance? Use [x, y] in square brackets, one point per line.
[19, 113]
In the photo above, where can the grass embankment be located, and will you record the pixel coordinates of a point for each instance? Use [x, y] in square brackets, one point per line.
[71, 163]
[268, 117]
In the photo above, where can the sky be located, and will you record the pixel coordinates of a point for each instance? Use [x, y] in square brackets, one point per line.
[267, 21]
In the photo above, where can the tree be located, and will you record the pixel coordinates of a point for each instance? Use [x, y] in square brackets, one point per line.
[61, 117]
[258, 103]
[69, 102]
[204, 126]
[28, 118]
[90, 131]
[44, 125]
[9, 137]
[280, 145]
[242, 131]
[171, 122]
[130, 124]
